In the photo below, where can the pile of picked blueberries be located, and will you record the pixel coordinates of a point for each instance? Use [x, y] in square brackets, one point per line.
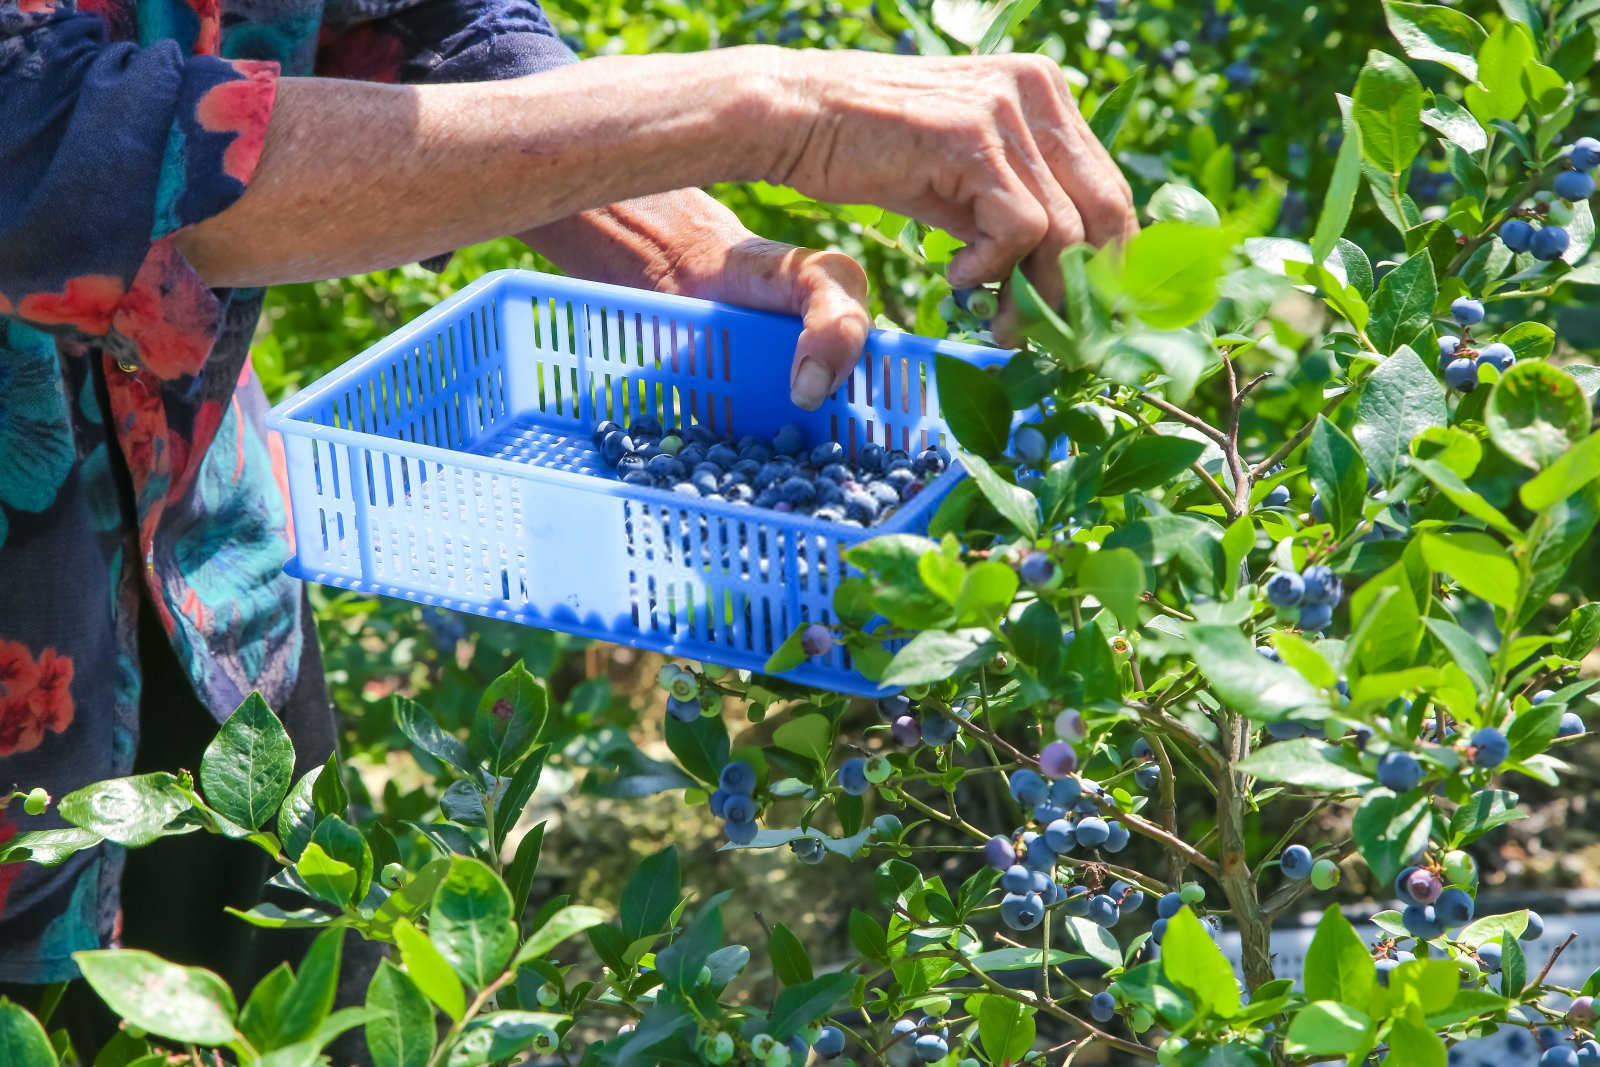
[782, 472]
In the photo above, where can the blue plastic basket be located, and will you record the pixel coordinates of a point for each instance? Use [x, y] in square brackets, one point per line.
[451, 464]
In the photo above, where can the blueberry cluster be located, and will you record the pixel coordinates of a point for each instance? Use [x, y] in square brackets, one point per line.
[734, 802]
[1298, 864]
[911, 724]
[782, 473]
[929, 1038]
[1168, 905]
[1459, 359]
[683, 692]
[1315, 592]
[1551, 240]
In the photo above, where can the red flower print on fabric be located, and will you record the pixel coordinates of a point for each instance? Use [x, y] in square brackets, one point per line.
[86, 303]
[169, 314]
[35, 698]
[243, 107]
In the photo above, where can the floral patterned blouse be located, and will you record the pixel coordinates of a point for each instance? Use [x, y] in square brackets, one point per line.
[133, 457]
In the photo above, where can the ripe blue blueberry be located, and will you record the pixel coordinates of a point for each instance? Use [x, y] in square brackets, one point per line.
[1315, 617]
[1017, 879]
[939, 730]
[1102, 1007]
[683, 710]
[1550, 243]
[1277, 497]
[1449, 344]
[740, 833]
[830, 1042]
[1117, 836]
[816, 640]
[1585, 153]
[1399, 771]
[1571, 725]
[931, 1048]
[1516, 234]
[1239, 74]
[1541, 696]
[999, 853]
[1490, 747]
[739, 808]
[1060, 836]
[1560, 1055]
[1466, 311]
[1077, 904]
[1030, 446]
[603, 429]
[1454, 907]
[929, 461]
[1573, 185]
[1421, 922]
[1040, 856]
[906, 731]
[1027, 787]
[1423, 886]
[1128, 897]
[1058, 760]
[1147, 777]
[1022, 911]
[1037, 569]
[1497, 355]
[1103, 910]
[1322, 585]
[1535, 928]
[1589, 1054]
[1066, 791]
[738, 777]
[853, 776]
[1092, 831]
[789, 441]
[1168, 905]
[1489, 954]
[1286, 589]
[718, 801]
[1296, 862]
[1461, 375]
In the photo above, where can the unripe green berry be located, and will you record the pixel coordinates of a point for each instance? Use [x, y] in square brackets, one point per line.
[1325, 874]
[717, 1048]
[1460, 869]
[548, 995]
[1141, 1020]
[704, 978]
[887, 825]
[1192, 893]
[878, 770]
[762, 1044]
[392, 875]
[36, 801]
[667, 675]
[917, 692]
[685, 686]
[1469, 967]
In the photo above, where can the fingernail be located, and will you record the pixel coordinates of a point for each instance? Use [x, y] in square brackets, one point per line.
[812, 384]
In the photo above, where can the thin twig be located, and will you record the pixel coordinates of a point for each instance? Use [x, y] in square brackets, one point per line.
[1281, 453]
[1572, 935]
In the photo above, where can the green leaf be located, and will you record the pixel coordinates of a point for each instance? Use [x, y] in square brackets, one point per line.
[573, 919]
[1415, 1045]
[48, 848]
[1326, 1027]
[1499, 93]
[23, 1042]
[1341, 194]
[1192, 961]
[1583, 632]
[423, 731]
[929, 43]
[401, 1032]
[510, 715]
[1476, 562]
[1486, 810]
[430, 970]
[651, 895]
[1570, 473]
[1400, 399]
[1180, 203]
[681, 961]
[246, 768]
[1338, 964]
[1464, 652]
[1338, 473]
[187, 1004]
[1005, 1028]
[1387, 106]
[1388, 829]
[328, 793]
[1015, 504]
[1246, 680]
[701, 745]
[1493, 928]
[342, 844]
[1303, 761]
[1170, 272]
[499, 1036]
[309, 999]
[1457, 125]
[1462, 496]
[1115, 578]
[1530, 340]
[1513, 965]
[514, 793]
[470, 922]
[1096, 941]
[1149, 460]
[1402, 308]
[1010, 15]
[130, 811]
[1535, 414]
[798, 1006]
[297, 817]
[1019, 959]
[974, 405]
[789, 960]
[1562, 531]
[867, 936]
[787, 656]
[987, 589]
[1437, 33]
[1106, 122]
[934, 655]
[810, 736]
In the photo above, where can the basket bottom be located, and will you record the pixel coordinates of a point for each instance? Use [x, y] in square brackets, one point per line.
[528, 439]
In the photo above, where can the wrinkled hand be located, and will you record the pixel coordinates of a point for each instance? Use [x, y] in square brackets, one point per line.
[991, 148]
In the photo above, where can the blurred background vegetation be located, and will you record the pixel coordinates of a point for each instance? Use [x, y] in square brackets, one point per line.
[1238, 100]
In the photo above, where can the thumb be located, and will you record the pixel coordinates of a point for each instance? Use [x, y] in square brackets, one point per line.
[831, 298]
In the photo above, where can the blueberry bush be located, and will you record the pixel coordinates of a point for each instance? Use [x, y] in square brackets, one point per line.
[1270, 584]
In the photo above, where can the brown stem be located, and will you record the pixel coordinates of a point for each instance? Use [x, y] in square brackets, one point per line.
[1169, 806]
[1572, 936]
[1280, 453]
[1237, 883]
[1184, 417]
